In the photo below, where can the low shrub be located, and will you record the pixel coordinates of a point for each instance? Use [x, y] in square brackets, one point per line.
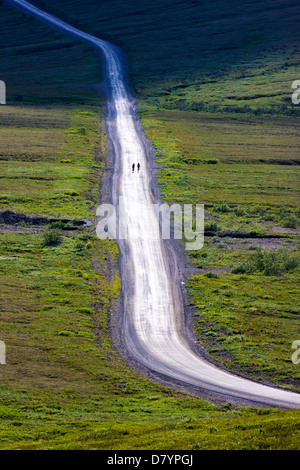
[240, 212]
[244, 268]
[52, 237]
[211, 275]
[291, 222]
[222, 208]
[270, 263]
[211, 227]
[211, 161]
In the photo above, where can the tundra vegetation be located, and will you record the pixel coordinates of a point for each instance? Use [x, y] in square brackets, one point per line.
[218, 113]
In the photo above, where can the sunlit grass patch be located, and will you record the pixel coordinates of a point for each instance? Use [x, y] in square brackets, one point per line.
[249, 322]
[47, 170]
[245, 172]
[245, 164]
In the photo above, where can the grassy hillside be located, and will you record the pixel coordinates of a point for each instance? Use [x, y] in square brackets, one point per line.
[40, 65]
[245, 170]
[46, 160]
[64, 386]
[181, 54]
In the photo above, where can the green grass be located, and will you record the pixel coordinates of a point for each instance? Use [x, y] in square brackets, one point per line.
[187, 55]
[85, 424]
[270, 263]
[245, 171]
[249, 322]
[190, 56]
[64, 385]
[206, 137]
[40, 65]
[49, 157]
[248, 164]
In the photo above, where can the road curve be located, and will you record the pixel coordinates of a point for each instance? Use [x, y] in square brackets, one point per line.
[152, 301]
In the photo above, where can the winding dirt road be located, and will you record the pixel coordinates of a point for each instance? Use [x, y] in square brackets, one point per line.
[153, 308]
